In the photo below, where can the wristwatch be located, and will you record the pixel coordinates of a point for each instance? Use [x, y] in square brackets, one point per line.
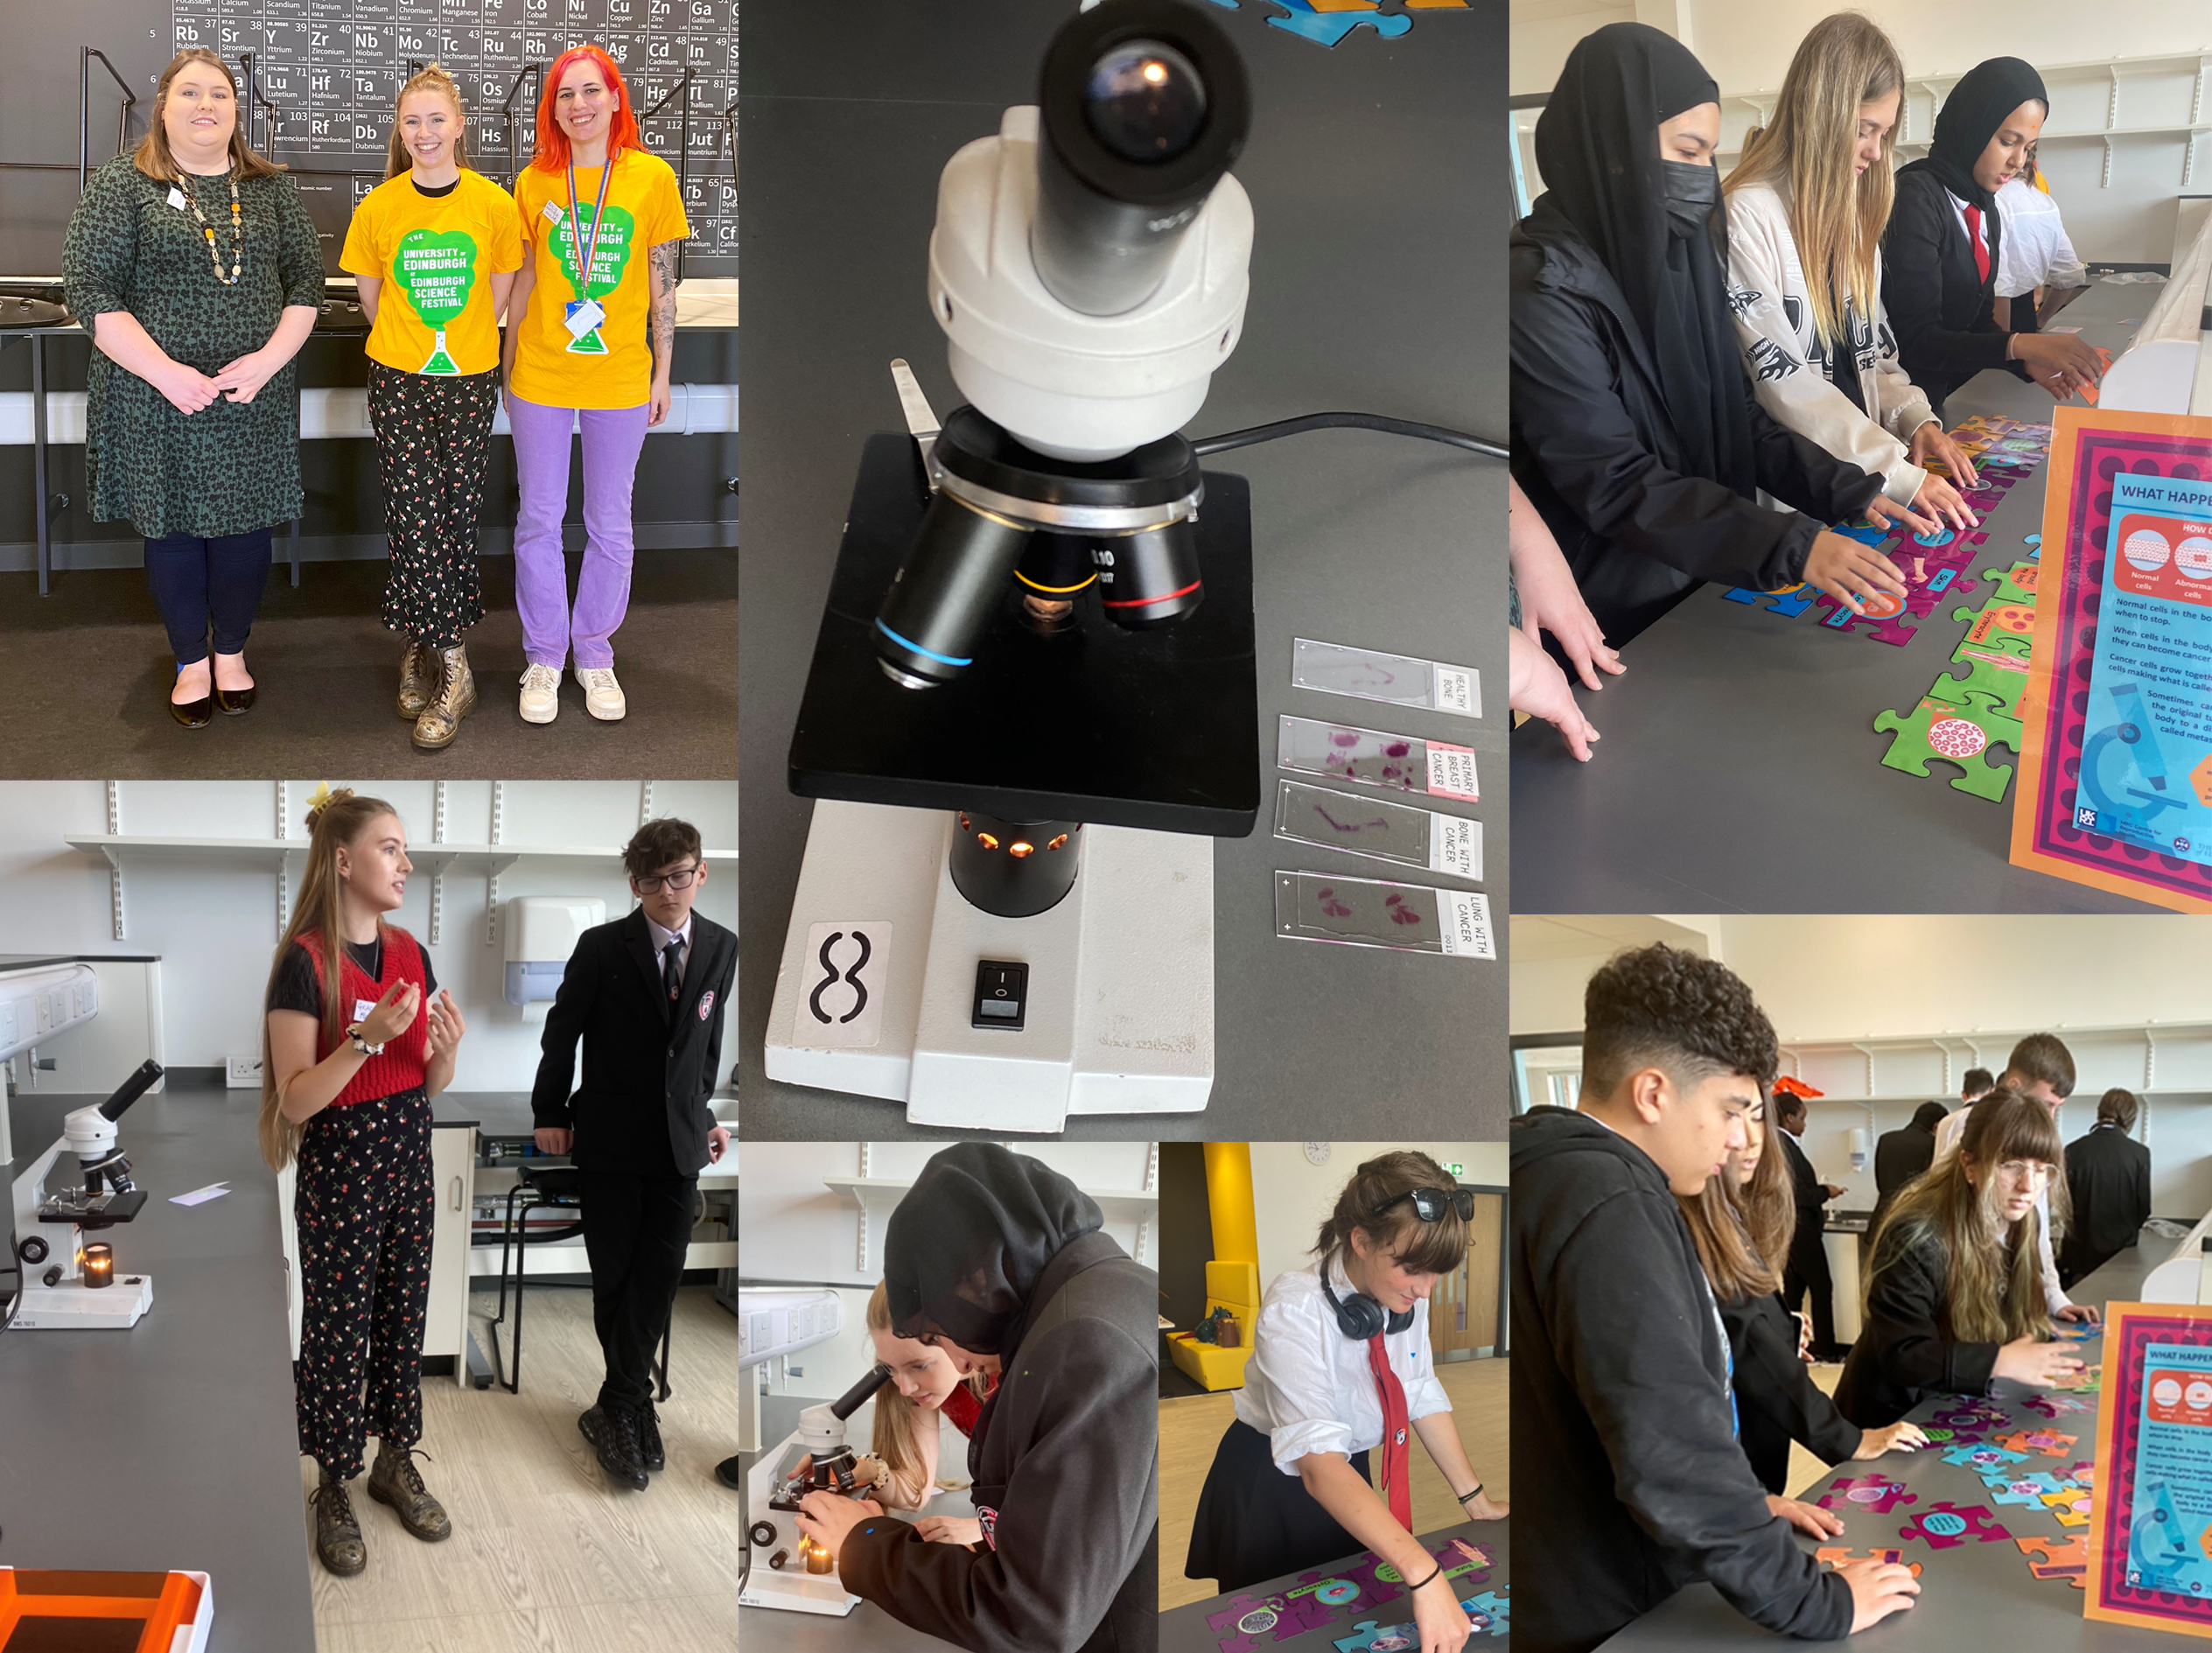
[353, 1034]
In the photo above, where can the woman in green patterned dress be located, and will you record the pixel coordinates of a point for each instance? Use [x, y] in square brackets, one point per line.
[196, 268]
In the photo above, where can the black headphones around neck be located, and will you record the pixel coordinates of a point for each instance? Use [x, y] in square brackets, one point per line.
[1360, 1317]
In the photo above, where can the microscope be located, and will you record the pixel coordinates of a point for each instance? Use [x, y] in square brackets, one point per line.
[787, 1569]
[69, 1279]
[1032, 700]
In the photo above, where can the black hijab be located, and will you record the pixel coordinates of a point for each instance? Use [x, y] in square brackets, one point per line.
[966, 1247]
[1597, 148]
[1970, 117]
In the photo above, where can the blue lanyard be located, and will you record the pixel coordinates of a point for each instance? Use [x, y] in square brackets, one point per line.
[599, 217]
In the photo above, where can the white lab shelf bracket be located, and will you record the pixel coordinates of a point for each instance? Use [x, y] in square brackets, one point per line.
[499, 864]
[644, 801]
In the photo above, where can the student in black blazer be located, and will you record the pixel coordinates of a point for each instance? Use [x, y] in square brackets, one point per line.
[1807, 1273]
[1902, 1154]
[646, 996]
[1938, 285]
[2108, 1178]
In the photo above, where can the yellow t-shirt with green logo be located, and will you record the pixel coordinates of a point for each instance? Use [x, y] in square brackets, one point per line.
[434, 255]
[611, 366]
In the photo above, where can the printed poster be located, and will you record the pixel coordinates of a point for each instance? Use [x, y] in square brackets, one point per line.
[2150, 1531]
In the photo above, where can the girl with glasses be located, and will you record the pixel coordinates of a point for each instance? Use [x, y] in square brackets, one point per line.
[925, 1384]
[1316, 1466]
[1956, 1295]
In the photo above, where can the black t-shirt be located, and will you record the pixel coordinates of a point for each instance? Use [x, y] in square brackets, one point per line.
[298, 987]
[421, 188]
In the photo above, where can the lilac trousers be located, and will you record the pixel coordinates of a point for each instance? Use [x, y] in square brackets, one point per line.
[612, 439]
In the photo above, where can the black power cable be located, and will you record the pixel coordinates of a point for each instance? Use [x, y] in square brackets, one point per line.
[1245, 438]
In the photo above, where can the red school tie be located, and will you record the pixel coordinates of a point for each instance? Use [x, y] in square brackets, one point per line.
[1974, 234]
[1392, 1392]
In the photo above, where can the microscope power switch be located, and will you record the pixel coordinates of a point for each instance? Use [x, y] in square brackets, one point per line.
[1001, 995]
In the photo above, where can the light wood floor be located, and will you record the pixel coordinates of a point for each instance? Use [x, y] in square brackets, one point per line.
[1192, 1427]
[546, 1555]
[1805, 1469]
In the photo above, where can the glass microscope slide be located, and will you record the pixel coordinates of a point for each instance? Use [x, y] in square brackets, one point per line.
[1368, 674]
[1378, 829]
[1404, 763]
[1406, 918]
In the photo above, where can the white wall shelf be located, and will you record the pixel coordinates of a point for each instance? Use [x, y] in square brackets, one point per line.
[875, 1198]
[2159, 1057]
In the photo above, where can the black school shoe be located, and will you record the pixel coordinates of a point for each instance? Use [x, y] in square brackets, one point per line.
[613, 1435]
[726, 1473]
[649, 1452]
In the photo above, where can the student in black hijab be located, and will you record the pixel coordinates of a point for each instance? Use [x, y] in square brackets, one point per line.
[1635, 432]
[1940, 252]
[999, 1260]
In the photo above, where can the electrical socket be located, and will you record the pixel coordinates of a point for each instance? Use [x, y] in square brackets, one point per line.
[243, 1073]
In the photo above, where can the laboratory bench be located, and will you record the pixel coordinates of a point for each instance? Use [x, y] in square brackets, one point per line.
[1339, 1601]
[1740, 770]
[1974, 1592]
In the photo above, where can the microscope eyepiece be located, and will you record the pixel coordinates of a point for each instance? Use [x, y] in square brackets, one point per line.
[1144, 101]
[130, 1090]
[1143, 106]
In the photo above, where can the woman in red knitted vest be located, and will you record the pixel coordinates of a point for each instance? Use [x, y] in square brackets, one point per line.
[926, 1383]
[360, 1039]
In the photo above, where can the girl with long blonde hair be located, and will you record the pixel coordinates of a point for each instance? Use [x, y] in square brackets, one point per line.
[1739, 1223]
[1806, 203]
[1955, 1293]
[434, 249]
[359, 1038]
[924, 1383]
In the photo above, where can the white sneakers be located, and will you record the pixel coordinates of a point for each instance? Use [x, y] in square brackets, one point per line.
[540, 694]
[602, 695]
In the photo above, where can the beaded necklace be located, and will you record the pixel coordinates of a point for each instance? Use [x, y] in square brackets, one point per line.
[237, 228]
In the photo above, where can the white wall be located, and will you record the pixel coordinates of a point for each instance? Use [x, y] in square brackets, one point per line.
[1291, 1197]
[793, 1229]
[214, 921]
[1746, 45]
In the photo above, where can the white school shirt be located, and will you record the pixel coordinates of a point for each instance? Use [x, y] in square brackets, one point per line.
[1308, 1388]
[2036, 251]
[1947, 1132]
[661, 938]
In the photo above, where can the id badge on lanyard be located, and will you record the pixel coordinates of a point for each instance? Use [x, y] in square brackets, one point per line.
[584, 315]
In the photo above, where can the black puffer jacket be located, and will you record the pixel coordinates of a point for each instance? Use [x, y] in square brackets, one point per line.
[1627, 1476]
[1594, 449]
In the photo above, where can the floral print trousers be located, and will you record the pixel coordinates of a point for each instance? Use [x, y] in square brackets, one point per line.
[433, 442]
[363, 1207]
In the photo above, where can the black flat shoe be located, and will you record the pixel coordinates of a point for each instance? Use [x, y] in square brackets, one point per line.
[234, 703]
[193, 714]
[613, 1436]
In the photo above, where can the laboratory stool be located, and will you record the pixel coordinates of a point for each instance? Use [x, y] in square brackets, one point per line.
[547, 1188]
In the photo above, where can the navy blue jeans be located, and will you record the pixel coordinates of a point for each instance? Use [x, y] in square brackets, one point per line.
[203, 583]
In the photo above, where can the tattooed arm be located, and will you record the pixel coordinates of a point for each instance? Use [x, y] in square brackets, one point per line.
[661, 261]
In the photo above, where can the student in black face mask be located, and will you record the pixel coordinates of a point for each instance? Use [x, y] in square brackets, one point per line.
[1635, 432]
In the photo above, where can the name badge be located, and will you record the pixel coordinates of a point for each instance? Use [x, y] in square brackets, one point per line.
[176, 198]
[583, 315]
[553, 213]
[361, 1007]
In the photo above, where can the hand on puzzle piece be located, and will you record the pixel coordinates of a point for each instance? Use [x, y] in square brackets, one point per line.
[1956, 734]
[1949, 1524]
[2066, 1558]
[1836, 1556]
[1885, 620]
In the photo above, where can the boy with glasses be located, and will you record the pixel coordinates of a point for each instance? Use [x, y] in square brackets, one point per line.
[646, 996]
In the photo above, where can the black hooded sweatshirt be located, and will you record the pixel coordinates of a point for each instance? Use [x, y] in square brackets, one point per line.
[1635, 430]
[1003, 1255]
[1629, 1480]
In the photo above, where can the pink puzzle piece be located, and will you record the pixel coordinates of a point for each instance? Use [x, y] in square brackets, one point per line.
[1883, 620]
[1949, 1524]
[1877, 1492]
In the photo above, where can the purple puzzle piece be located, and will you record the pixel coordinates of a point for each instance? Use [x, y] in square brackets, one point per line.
[1891, 628]
[1948, 1524]
[1877, 1492]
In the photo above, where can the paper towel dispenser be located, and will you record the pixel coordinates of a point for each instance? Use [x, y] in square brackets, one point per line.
[541, 931]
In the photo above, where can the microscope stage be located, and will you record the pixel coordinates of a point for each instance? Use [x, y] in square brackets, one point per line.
[1156, 729]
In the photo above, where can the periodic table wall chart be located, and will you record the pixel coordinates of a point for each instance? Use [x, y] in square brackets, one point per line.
[325, 72]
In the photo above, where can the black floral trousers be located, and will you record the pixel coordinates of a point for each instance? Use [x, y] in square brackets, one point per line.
[433, 442]
[363, 1208]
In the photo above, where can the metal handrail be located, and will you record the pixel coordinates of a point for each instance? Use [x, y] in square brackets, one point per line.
[85, 55]
[683, 154]
[254, 95]
[506, 115]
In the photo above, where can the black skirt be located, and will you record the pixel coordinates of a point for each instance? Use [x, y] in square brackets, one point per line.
[1254, 1522]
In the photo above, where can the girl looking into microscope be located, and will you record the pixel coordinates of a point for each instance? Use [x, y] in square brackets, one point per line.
[360, 1038]
[1341, 1367]
[924, 1385]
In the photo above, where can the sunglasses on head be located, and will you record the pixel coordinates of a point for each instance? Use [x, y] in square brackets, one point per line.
[1430, 1204]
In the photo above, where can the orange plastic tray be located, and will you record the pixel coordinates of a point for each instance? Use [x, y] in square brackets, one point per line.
[43, 1610]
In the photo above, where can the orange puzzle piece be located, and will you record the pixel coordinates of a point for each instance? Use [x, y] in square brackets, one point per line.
[2068, 1561]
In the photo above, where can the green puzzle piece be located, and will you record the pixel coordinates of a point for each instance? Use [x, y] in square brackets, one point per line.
[1956, 734]
[1991, 671]
[2009, 626]
[2010, 591]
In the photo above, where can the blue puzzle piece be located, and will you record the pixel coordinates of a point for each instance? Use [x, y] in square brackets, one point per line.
[2021, 1489]
[1983, 1459]
[1329, 28]
[1788, 603]
[1489, 1613]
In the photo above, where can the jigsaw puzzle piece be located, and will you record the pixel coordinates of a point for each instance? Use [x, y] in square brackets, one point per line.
[1877, 1492]
[1244, 1621]
[1329, 22]
[2067, 1558]
[2015, 585]
[1949, 1524]
[2071, 1505]
[1982, 1458]
[1836, 1556]
[1377, 1637]
[2047, 1442]
[1789, 602]
[2027, 1490]
[1883, 619]
[1997, 674]
[1490, 1613]
[1957, 734]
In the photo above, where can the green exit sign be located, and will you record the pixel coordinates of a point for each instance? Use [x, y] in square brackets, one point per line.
[1455, 1168]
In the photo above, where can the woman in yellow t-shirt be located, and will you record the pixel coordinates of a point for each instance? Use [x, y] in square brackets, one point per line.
[602, 220]
[443, 239]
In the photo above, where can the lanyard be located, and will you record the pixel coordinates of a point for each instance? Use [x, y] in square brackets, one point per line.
[583, 275]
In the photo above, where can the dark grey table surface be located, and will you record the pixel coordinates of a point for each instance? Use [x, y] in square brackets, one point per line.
[1740, 769]
[1185, 1629]
[1980, 1594]
[1379, 255]
[170, 1445]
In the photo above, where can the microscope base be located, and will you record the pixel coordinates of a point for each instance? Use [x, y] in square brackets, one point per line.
[800, 1591]
[1120, 1012]
[73, 1306]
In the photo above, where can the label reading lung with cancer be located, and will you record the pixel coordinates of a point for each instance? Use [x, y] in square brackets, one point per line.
[2146, 758]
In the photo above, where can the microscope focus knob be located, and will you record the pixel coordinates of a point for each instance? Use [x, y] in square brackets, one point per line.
[776, 1561]
[763, 1533]
[34, 1249]
[53, 1276]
